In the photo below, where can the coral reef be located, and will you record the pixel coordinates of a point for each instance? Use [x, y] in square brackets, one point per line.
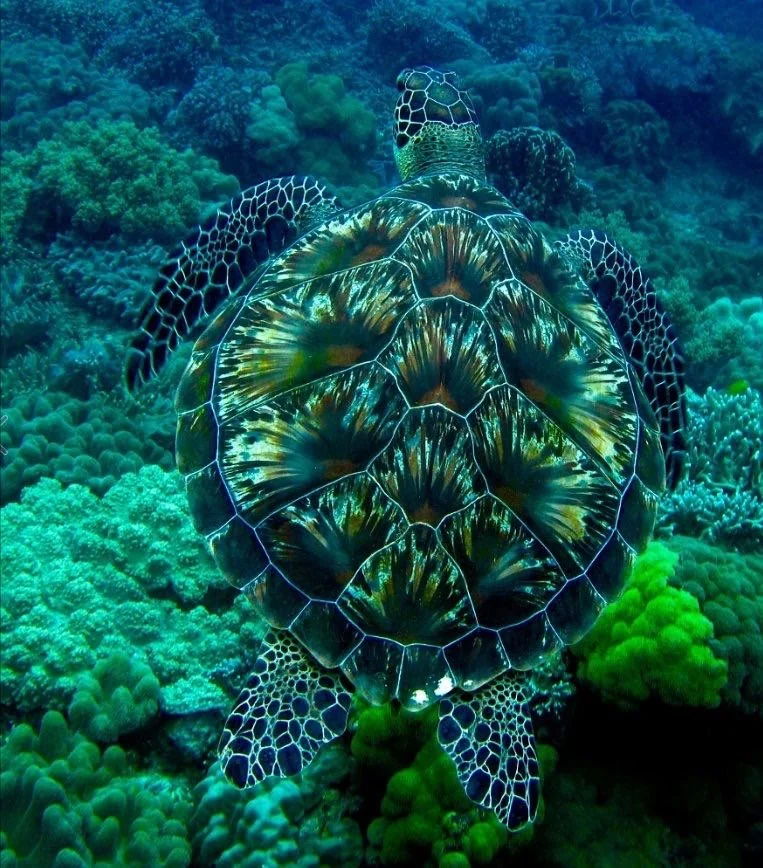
[634, 135]
[338, 133]
[109, 279]
[720, 498]
[654, 640]
[729, 588]
[534, 169]
[67, 804]
[300, 823]
[90, 443]
[85, 578]
[115, 177]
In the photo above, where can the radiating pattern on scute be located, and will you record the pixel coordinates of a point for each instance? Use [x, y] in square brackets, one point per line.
[409, 592]
[295, 337]
[286, 712]
[420, 431]
[309, 437]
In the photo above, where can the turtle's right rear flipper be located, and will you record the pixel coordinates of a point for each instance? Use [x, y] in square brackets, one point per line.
[213, 263]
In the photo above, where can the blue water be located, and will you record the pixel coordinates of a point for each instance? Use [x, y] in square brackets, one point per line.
[124, 126]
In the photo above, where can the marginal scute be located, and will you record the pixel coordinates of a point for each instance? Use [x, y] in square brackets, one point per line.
[529, 642]
[476, 659]
[320, 541]
[209, 500]
[451, 253]
[326, 632]
[574, 610]
[425, 677]
[611, 567]
[238, 553]
[374, 667]
[196, 383]
[277, 600]
[196, 439]
[650, 460]
[637, 514]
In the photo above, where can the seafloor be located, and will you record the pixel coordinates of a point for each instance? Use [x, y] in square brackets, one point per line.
[123, 124]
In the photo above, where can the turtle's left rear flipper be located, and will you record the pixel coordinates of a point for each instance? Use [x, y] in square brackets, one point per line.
[213, 262]
[287, 711]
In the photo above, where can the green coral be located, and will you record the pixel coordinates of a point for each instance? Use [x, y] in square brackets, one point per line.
[300, 822]
[119, 696]
[91, 443]
[653, 641]
[729, 588]
[338, 133]
[17, 185]
[425, 816]
[114, 177]
[67, 805]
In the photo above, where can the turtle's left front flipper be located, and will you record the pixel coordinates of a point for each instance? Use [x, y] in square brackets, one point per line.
[489, 736]
[212, 263]
[287, 711]
[628, 298]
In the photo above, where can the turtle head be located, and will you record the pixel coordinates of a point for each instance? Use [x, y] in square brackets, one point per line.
[435, 127]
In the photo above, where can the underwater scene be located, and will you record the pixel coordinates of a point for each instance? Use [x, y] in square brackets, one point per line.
[381, 433]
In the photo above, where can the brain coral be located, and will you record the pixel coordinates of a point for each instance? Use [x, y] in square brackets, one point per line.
[653, 641]
[729, 588]
[534, 169]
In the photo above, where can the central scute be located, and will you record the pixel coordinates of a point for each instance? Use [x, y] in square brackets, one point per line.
[426, 445]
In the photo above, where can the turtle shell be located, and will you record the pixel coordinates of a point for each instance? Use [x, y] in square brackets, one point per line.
[416, 443]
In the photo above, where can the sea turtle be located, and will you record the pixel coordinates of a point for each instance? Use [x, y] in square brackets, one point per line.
[426, 444]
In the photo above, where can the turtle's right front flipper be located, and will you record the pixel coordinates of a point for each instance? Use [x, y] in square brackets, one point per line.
[214, 261]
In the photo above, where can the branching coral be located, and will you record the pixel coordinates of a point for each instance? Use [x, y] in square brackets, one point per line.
[721, 497]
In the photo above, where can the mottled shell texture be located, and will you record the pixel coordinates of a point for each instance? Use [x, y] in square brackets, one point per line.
[416, 443]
